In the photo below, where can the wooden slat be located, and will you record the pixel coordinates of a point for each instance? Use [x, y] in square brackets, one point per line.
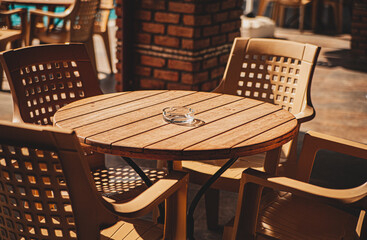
[169, 131]
[215, 128]
[111, 108]
[85, 101]
[98, 103]
[272, 133]
[131, 124]
[258, 129]
[126, 125]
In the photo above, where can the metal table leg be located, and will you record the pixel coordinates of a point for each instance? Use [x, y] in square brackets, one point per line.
[200, 193]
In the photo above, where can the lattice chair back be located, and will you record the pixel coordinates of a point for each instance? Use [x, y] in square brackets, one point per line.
[44, 78]
[271, 70]
[82, 20]
[101, 20]
[39, 167]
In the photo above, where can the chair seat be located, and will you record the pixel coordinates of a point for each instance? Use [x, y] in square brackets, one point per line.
[134, 229]
[230, 179]
[285, 216]
[123, 183]
[54, 37]
[294, 3]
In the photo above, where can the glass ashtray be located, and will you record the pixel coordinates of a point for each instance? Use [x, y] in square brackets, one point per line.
[178, 115]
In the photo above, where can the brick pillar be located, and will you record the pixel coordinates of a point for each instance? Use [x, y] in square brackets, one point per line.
[178, 44]
[359, 29]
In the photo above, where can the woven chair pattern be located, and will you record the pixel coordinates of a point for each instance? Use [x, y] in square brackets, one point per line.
[123, 183]
[47, 77]
[269, 78]
[44, 211]
[49, 87]
[83, 23]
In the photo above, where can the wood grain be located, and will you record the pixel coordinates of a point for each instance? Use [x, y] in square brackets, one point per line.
[131, 124]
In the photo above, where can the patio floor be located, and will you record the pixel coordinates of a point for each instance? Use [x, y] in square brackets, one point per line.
[339, 95]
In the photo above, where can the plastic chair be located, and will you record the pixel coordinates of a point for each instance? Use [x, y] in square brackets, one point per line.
[77, 25]
[280, 6]
[283, 4]
[47, 192]
[299, 210]
[270, 70]
[44, 78]
[101, 27]
[9, 34]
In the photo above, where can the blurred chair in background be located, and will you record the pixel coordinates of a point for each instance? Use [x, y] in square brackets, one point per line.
[77, 25]
[11, 34]
[101, 27]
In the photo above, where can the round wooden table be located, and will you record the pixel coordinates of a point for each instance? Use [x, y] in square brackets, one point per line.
[130, 124]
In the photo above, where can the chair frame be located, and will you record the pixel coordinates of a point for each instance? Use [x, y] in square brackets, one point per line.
[92, 212]
[253, 182]
[69, 17]
[245, 53]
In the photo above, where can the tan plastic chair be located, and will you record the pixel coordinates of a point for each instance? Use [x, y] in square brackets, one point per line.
[49, 193]
[270, 70]
[283, 4]
[8, 34]
[78, 23]
[263, 4]
[44, 78]
[300, 210]
[101, 27]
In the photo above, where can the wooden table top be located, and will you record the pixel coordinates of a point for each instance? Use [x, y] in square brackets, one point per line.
[130, 124]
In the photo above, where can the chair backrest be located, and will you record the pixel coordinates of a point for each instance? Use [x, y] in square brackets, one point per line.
[101, 20]
[46, 188]
[271, 70]
[44, 78]
[82, 20]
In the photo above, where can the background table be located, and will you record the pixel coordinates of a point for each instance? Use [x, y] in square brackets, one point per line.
[130, 124]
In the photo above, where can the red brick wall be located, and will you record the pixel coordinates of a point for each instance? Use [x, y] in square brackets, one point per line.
[359, 28]
[179, 44]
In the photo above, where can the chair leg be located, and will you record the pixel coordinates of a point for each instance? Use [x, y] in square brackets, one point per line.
[301, 17]
[1, 77]
[262, 7]
[212, 208]
[106, 40]
[281, 15]
[339, 21]
[90, 48]
[314, 15]
[2, 48]
[275, 12]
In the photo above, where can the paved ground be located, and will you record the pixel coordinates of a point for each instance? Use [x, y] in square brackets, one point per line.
[339, 95]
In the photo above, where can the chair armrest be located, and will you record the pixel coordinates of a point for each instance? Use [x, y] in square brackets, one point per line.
[306, 115]
[13, 11]
[39, 12]
[314, 141]
[106, 7]
[335, 196]
[151, 197]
